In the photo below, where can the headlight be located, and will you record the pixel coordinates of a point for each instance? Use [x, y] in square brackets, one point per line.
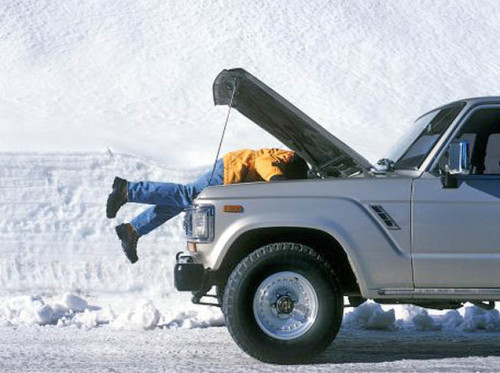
[199, 223]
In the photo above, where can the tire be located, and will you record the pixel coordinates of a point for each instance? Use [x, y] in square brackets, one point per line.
[283, 304]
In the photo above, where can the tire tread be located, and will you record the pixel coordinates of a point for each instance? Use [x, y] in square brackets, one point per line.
[232, 288]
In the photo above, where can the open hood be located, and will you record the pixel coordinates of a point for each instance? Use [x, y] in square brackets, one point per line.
[255, 100]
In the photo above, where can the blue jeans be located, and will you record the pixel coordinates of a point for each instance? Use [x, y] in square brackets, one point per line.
[169, 199]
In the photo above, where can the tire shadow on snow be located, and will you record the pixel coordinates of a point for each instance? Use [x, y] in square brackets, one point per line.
[380, 346]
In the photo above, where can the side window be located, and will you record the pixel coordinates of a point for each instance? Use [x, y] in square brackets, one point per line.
[492, 156]
[482, 133]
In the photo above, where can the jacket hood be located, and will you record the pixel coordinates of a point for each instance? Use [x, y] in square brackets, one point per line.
[258, 102]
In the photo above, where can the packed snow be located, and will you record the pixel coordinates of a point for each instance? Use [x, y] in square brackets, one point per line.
[136, 75]
[58, 240]
[73, 310]
[90, 90]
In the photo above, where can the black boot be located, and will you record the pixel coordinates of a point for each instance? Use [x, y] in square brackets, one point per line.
[127, 234]
[117, 198]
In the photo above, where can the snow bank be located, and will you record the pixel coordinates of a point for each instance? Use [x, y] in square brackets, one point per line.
[144, 315]
[57, 240]
[126, 74]
[118, 312]
[71, 310]
[192, 319]
[478, 319]
[373, 316]
[54, 235]
[420, 318]
[35, 310]
[74, 302]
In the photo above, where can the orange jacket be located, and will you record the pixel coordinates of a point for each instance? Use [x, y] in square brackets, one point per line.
[243, 166]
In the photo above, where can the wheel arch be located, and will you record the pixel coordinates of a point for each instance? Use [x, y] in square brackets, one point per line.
[323, 243]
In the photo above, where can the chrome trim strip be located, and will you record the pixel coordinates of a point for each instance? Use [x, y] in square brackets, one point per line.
[401, 291]
[442, 291]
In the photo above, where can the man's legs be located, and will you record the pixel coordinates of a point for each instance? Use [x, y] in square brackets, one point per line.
[170, 199]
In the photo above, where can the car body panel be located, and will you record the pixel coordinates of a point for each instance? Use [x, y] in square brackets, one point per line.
[456, 240]
[322, 204]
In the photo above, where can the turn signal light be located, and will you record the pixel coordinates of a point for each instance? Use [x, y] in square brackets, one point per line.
[233, 208]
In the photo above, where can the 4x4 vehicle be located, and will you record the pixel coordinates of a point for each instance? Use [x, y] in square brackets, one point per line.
[422, 229]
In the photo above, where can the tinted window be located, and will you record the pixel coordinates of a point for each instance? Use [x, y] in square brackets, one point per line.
[482, 133]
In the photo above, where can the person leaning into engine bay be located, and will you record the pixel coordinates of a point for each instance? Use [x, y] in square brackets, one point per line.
[170, 199]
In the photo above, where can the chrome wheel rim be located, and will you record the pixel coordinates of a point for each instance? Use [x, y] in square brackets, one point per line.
[285, 305]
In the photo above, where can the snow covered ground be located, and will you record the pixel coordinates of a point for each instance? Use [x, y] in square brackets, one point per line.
[42, 349]
[90, 90]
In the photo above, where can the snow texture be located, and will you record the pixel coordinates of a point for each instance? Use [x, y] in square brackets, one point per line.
[371, 316]
[124, 74]
[52, 349]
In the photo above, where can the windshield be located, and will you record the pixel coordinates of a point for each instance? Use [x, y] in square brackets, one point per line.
[434, 124]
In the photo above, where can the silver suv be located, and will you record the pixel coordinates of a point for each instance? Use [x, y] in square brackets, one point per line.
[422, 227]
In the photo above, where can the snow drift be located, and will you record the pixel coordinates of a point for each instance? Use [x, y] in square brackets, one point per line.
[71, 310]
[57, 241]
[371, 316]
[136, 75]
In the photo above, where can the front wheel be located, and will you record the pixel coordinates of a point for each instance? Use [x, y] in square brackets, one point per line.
[283, 304]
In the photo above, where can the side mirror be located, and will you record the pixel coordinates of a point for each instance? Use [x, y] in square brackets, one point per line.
[458, 163]
[458, 159]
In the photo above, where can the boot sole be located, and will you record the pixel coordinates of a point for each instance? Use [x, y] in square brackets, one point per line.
[113, 199]
[121, 232]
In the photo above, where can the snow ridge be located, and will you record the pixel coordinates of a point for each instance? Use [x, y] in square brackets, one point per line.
[53, 230]
[56, 244]
[128, 73]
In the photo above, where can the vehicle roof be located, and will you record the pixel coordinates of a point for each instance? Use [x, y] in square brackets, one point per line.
[475, 100]
[471, 101]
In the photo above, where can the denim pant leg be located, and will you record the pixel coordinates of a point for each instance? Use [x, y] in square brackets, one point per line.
[170, 199]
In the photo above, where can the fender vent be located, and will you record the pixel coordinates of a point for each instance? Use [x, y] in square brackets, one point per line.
[385, 217]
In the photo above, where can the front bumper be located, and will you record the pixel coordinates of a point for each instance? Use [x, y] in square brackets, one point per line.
[191, 276]
[188, 275]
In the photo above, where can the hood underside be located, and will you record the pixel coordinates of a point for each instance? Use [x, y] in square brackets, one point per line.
[255, 100]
